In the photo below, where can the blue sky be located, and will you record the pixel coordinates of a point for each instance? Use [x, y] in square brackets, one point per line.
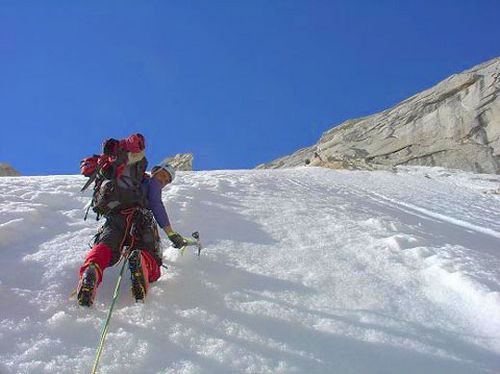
[237, 83]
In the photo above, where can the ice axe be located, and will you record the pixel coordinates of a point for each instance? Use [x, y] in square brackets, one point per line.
[195, 241]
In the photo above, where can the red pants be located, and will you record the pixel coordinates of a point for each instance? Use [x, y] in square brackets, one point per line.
[101, 254]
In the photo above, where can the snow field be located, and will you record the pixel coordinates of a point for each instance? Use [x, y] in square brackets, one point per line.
[305, 270]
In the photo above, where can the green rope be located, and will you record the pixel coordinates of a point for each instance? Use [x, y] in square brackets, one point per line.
[104, 330]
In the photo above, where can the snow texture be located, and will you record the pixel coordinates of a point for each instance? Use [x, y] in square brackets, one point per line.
[304, 271]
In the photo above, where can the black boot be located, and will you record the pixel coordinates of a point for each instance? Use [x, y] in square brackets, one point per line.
[139, 286]
[87, 286]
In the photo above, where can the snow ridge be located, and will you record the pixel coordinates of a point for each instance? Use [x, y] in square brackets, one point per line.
[305, 270]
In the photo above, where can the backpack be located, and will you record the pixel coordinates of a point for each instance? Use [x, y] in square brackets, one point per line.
[118, 174]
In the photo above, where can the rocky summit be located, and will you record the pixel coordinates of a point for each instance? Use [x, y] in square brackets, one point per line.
[182, 161]
[455, 124]
[8, 171]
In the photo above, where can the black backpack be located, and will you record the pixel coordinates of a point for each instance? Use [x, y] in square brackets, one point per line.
[118, 175]
[119, 188]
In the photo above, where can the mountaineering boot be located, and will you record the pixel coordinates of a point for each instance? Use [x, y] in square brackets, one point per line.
[139, 287]
[87, 286]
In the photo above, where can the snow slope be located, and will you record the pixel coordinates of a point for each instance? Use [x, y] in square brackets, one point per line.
[305, 270]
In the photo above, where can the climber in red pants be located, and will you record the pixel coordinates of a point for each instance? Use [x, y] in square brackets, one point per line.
[131, 202]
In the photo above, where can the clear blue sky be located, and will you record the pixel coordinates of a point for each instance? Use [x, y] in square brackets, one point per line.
[237, 83]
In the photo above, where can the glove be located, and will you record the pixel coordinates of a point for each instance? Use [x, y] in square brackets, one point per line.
[177, 240]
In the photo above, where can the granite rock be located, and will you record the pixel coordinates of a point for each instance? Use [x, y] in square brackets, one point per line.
[455, 124]
[181, 162]
[8, 171]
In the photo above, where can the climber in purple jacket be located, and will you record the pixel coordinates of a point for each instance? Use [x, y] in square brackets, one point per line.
[134, 225]
[162, 175]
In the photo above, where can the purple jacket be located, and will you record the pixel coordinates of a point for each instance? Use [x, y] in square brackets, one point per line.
[154, 189]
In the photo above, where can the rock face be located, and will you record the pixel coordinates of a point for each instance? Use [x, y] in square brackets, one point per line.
[182, 162]
[8, 171]
[455, 124]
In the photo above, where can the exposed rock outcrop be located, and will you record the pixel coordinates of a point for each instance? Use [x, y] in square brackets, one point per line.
[182, 162]
[455, 124]
[8, 171]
